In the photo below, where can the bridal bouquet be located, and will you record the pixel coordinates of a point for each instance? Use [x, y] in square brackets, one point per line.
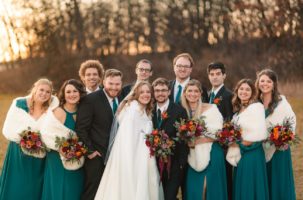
[31, 143]
[189, 130]
[71, 151]
[282, 136]
[161, 146]
[229, 134]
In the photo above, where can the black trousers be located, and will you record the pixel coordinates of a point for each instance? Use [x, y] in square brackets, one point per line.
[93, 171]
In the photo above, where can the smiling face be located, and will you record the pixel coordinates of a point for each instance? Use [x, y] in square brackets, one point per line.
[71, 94]
[182, 68]
[192, 94]
[91, 79]
[143, 71]
[265, 84]
[244, 93]
[161, 93]
[112, 85]
[43, 93]
[144, 95]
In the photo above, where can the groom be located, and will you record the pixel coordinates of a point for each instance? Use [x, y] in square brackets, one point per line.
[165, 114]
[94, 120]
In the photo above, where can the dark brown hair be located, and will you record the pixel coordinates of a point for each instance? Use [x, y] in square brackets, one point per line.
[161, 81]
[236, 102]
[275, 95]
[77, 84]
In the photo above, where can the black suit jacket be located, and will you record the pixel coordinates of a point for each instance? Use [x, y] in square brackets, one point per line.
[175, 113]
[126, 90]
[172, 86]
[225, 106]
[94, 120]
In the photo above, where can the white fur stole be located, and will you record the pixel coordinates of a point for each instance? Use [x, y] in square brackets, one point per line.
[17, 120]
[253, 126]
[281, 112]
[199, 157]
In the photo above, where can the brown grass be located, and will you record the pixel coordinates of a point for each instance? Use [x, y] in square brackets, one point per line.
[296, 102]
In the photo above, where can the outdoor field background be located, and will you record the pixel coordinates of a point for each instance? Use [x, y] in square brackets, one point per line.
[293, 93]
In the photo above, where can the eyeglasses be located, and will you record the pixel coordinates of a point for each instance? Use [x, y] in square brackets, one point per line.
[143, 70]
[183, 66]
[163, 90]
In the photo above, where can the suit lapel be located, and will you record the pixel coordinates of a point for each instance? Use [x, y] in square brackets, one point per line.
[220, 92]
[169, 113]
[107, 104]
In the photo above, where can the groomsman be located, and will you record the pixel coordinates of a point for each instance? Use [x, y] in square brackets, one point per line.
[165, 114]
[144, 71]
[91, 72]
[221, 96]
[183, 65]
[94, 120]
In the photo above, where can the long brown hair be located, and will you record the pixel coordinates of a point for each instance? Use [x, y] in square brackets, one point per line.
[45, 105]
[236, 102]
[134, 95]
[275, 94]
[184, 101]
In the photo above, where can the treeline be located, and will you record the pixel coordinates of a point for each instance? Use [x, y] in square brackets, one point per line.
[247, 34]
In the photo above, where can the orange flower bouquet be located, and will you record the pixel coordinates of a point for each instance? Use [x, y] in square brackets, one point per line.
[160, 146]
[189, 130]
[31, 143]
[71, 151]
[282, 136]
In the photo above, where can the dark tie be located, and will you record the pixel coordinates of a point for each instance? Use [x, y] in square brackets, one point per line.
[159, 118]
[177, 100]
[115, 105]
[212, 97]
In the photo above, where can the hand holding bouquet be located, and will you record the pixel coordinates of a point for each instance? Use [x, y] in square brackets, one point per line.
[229, 134]
[31, 143]
[189, 130]
[71, 151]
[161, 146]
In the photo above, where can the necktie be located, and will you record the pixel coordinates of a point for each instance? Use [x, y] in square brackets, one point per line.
[177, 100]
[115, 105]
[212, 97]
[159, 118]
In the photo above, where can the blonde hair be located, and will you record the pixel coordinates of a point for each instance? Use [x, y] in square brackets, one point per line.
[184, 55]
[134, 95]
[42, 81]
[185, 103]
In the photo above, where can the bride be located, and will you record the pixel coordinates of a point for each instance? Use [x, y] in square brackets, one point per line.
[130, 172]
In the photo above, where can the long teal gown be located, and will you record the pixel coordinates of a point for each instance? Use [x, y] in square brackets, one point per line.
[280, 176]
[22, 175]
[250, 177]
[215, 175]
[60, 183]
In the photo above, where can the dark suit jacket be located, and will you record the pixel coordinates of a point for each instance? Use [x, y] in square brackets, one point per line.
[172, 86]
[225, 105]
[94, 120]
[175, 113]
[126, 90]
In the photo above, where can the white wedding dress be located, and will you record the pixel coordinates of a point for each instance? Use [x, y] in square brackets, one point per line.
[130, 173]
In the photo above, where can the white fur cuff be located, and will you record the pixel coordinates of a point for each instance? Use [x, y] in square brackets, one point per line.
[199, 157]
[233, 155]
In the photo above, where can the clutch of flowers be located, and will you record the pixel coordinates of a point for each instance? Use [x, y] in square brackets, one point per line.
[71, 151]
[31, 143]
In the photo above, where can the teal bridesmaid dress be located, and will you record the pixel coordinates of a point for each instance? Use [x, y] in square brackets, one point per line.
[280, 176]
[250, 177]
[60, 183]
[22, 175]
[215, 175]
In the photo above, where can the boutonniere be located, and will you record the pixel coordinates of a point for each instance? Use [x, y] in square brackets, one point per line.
[164, 115]
[217, 100]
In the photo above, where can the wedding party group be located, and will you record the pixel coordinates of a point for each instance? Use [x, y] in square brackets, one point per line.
[160, 140]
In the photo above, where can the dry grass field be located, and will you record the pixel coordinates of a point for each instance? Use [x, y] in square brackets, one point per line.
[297, 152]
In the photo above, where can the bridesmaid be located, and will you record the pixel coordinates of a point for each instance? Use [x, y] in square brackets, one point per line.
[206, 175]
[277, 108]
[250, 178]
[22, 175]
[60, 183]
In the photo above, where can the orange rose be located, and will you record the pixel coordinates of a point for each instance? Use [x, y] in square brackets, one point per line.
[276, 133]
